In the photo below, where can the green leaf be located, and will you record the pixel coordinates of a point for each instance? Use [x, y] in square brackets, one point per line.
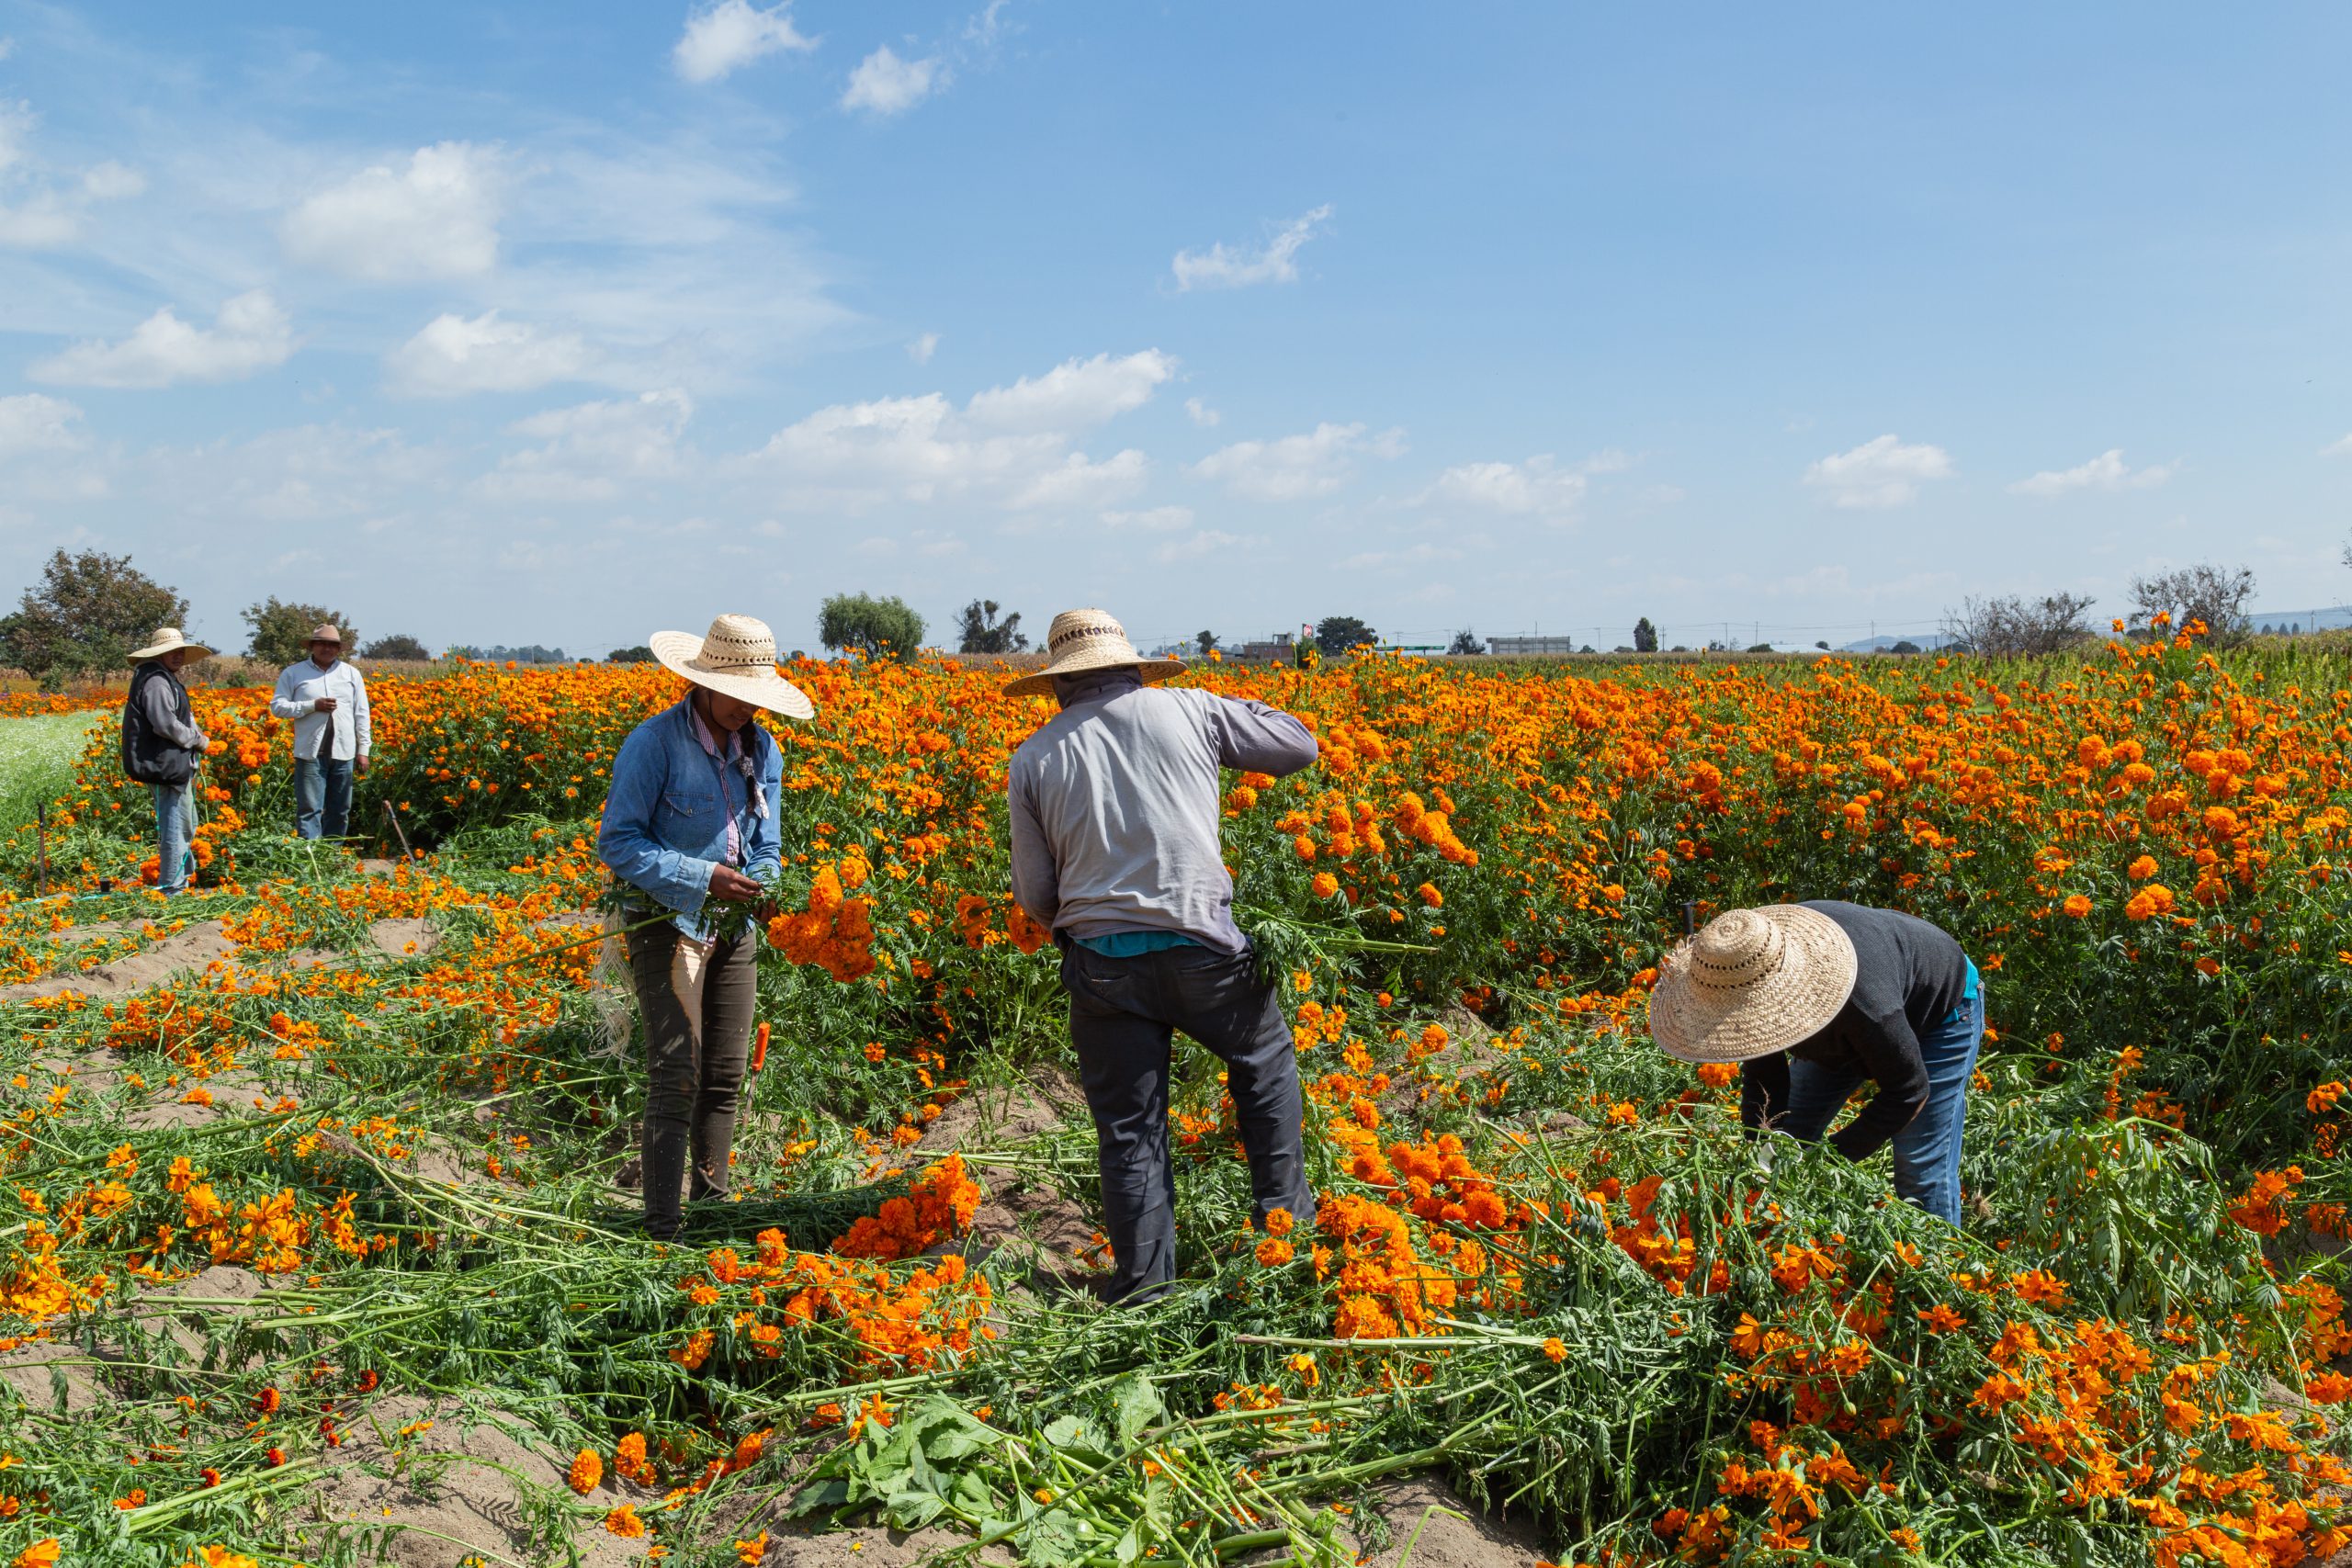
[1139, 1406]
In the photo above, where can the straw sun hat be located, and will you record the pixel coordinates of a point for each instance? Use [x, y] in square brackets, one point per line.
[1752, 982]
[1080, 640]
[736, 658]
[168, 638]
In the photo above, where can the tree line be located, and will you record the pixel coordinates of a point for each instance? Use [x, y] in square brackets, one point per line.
[89, 610]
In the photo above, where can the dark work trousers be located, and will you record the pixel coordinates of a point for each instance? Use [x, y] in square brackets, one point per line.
[691, 1093]
[1121, 1013]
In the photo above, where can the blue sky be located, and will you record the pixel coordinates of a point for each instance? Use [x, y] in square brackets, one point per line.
[561, 324]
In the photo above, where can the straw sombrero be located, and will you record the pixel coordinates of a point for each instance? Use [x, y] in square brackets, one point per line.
[1752, 982]
[735, 658]
[1080, 640]
[168, 638]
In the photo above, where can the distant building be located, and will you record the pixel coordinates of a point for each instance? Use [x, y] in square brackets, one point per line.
[1276, 649]
[1552, 645]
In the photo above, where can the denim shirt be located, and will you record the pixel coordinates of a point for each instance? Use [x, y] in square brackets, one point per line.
[666, 816]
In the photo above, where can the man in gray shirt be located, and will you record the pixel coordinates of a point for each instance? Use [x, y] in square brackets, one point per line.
[160, 747]
[1115, 809]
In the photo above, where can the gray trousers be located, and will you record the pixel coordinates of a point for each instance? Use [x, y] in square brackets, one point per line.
[691, 1094]
[1123, 1012]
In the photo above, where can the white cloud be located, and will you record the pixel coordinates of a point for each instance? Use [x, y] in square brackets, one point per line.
[437, 218]
[1296, 468]
[8, 46]
[1200, 413]
[1079, 482]
[1157, 519]
[36, 423]
[2339, 447]
[250, 334]
[1013, 445]
[1218, 267]
[2107, 472]
[304, 474]
[1074, 393]
[453, 356]
[720, 38]
[1879, 473]
[885, 85]
[1194, 545]
[923, 348]
[1537, 488]
[111, 181]
[36, 211]
[590, 450]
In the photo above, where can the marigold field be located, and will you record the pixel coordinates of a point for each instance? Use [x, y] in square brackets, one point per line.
[294, 1242]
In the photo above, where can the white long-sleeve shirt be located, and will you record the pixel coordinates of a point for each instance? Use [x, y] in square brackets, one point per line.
[345, 730]
[1115, 809]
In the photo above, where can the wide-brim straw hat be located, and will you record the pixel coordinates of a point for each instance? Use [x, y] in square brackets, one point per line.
[736, 658]
[1080, 640]
[168, 638]
[326, 631]
[1752, 982]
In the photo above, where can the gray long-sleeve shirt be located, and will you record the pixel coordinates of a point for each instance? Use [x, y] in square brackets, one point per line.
[159, 705]
[1117, 801]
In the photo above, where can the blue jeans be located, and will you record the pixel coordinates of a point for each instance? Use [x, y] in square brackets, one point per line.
[1927, 1152]
[322, 797]
[174, 823]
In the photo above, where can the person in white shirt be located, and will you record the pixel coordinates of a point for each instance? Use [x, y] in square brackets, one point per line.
[327, 702]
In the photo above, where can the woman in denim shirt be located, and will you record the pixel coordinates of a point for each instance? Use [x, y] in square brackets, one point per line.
[692, 820]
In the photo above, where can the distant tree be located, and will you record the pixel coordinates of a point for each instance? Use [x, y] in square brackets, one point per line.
[1588, 648]
[1677, 648]
[1822, 646]
[400, 645]
[281, 633]
[1905, 645]
[1336, 634]
[878, 628]
[639, 654]
[2014, 624]
[981, 632]
[529, 653]
[1645, 637]
[86, 613]
[1760, 647]
[1621, 648]
[2213, 594]
[1466, 641]
[1206, 642]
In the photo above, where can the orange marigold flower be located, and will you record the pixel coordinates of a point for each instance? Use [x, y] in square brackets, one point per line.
[1554, 1350]
[2077, 906]
[623, 1522]
[587, 1469]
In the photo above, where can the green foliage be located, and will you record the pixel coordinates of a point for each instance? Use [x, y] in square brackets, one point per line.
[88, 612]
[399, 646]
[36, 761]
[878, 628]
[1645, 637]
[979, 631]
[1335, 634]
[281, 632]
[639, 654]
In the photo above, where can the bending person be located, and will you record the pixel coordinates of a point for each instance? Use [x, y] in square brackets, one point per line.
[1819, 998]
[691, 823]
[1115, 806]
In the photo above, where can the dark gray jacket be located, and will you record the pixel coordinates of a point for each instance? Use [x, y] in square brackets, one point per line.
[160, 741]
